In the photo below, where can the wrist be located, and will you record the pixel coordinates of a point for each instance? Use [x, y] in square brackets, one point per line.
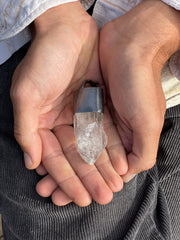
[70, 20]
[165, 25]
[69, 14]
[151, 30]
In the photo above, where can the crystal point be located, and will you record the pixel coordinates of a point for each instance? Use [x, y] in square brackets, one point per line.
[90, 136]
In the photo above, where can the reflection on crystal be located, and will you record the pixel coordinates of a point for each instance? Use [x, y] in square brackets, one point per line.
[90, 136]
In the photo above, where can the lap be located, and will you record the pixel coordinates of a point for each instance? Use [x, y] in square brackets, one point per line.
[26, 215]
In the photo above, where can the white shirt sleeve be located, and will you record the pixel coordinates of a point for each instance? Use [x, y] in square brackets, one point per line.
[173, 3]
[16, 15]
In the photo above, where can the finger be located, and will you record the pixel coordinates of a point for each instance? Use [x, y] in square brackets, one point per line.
[127, 178]
[114, 147]
[145, 146]
[59, 198]
[89, 174]
[59, 168]
[105, 168]
[41, 170]
[46, 186]
[26, 124]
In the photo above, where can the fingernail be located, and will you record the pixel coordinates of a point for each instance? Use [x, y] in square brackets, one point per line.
[128, 178]
[87, 201]
[28, 160]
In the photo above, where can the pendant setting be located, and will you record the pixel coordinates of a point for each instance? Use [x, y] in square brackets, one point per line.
[88, 121]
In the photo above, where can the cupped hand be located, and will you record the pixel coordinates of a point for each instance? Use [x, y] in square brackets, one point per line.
[133, 49]
[63, 53]
[100, 180]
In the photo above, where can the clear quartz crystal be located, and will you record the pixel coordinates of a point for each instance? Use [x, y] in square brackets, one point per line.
[90, 136]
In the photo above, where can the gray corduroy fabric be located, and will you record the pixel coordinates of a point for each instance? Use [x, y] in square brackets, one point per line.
[148, 207]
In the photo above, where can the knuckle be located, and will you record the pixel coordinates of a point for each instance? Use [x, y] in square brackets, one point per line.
[141, 163]
[19, 136]
[148, 164]
[71, 178]
[70, 149]
[51, 156]
[89, 175]
[22, 93]
[16, 94]
[155, 124]
[114, 147]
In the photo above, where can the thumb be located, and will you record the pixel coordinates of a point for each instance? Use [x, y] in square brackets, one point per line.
[26, 127]
[144, 150]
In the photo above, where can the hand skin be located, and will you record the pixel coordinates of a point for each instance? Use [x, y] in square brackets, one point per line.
[133, 49]
[62, 55]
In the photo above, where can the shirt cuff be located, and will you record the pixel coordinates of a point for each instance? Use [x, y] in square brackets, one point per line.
[173, 3]
[16, 15]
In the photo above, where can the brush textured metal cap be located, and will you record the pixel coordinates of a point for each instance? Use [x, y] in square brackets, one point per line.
[89, 99]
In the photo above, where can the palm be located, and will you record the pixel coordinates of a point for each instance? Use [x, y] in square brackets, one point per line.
[57, 108]
[54, 76]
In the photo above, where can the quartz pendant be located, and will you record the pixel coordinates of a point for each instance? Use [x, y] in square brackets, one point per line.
[90, 136]
[88, 122]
